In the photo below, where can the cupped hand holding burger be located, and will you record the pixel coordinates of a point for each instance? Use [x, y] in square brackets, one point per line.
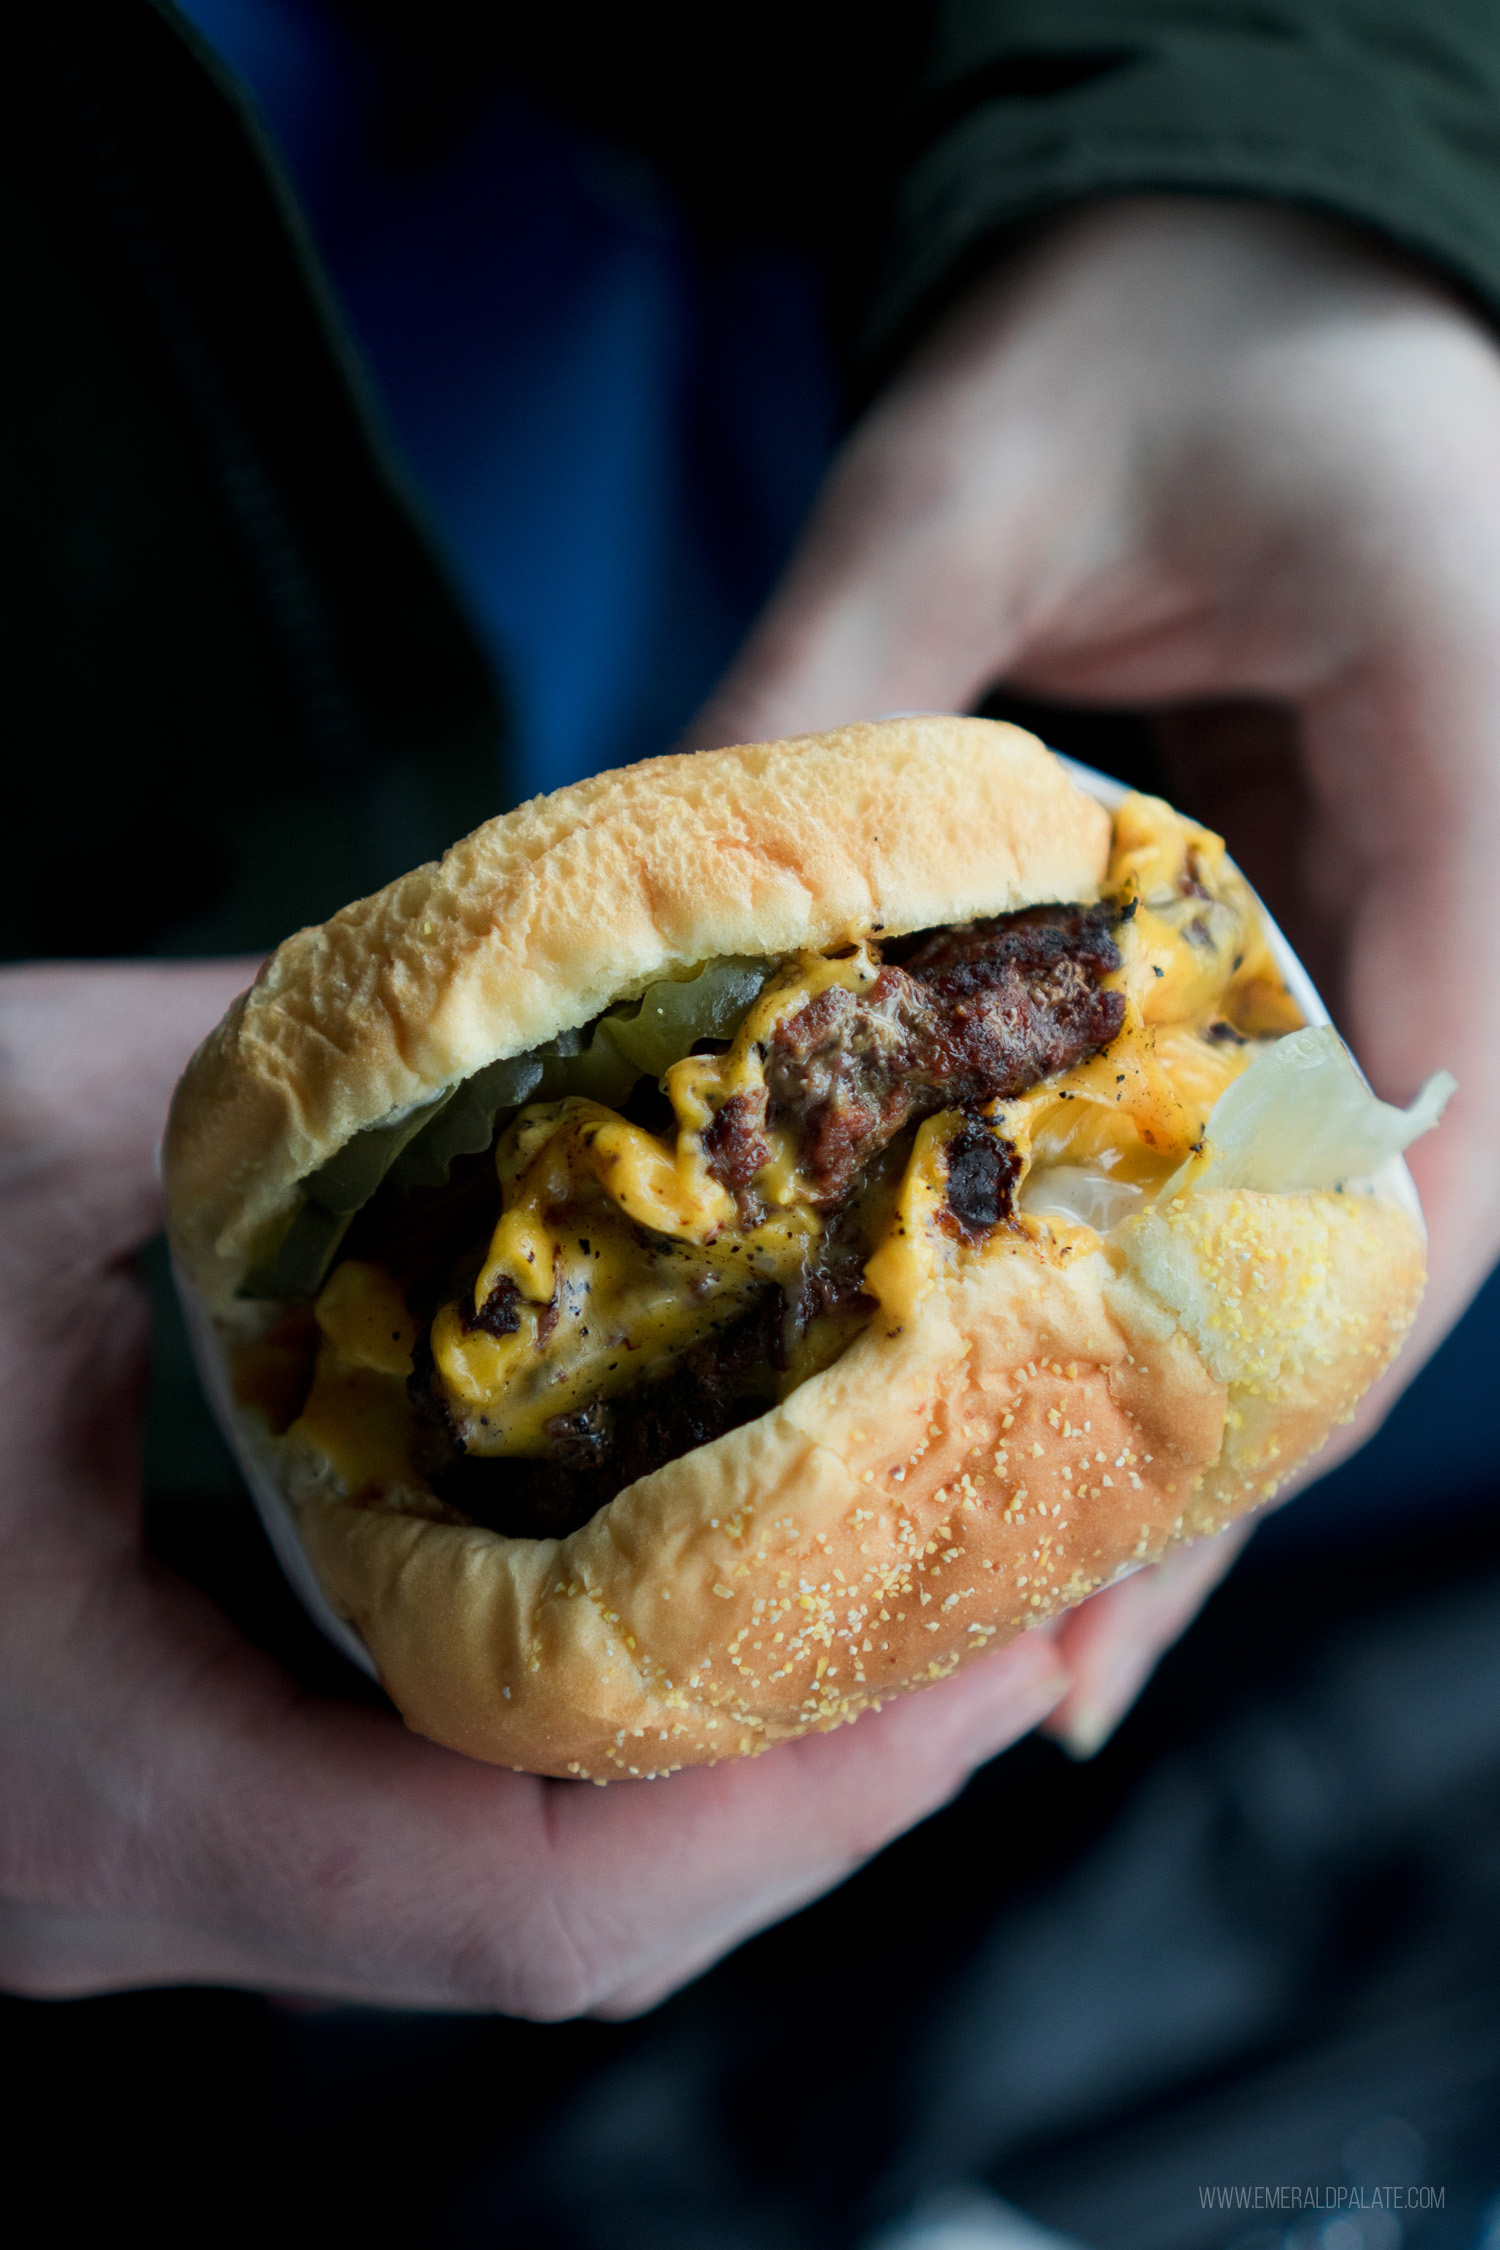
[174, 1809]
[1240, 467]
[1216, 458]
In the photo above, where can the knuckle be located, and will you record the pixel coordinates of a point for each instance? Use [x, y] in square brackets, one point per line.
[530, 1967]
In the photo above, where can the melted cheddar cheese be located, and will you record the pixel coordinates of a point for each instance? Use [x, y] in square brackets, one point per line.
[616, 1249]
[620, 1252]
[357, 1414]
[1201, 988]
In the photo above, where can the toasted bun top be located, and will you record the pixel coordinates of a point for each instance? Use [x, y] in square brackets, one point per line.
[547, 915]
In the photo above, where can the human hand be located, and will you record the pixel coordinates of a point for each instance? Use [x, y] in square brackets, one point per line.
[1239, 468]
[173, 1809]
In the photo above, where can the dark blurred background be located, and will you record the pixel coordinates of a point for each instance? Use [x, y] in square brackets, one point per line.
[1256, 1941]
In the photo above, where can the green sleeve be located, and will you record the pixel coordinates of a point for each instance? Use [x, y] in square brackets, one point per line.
[1386, 112]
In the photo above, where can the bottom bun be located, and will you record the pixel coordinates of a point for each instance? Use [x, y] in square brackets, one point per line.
[1055, 1415]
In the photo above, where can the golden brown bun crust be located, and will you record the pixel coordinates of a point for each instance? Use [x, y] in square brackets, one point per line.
[1041, 1426]
[545, 916]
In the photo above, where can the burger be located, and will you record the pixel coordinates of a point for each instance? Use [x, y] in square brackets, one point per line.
[741, 1236]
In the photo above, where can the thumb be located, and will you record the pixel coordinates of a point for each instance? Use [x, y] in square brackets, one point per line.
[918, 567]
[980, 492]
[874, 614]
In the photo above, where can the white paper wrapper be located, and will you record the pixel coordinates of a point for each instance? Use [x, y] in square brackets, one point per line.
[271, 1504]
[1393, 1181]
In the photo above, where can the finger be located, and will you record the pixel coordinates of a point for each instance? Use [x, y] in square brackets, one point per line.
[806, 1814]
[1113, 1643]
[949, 519]
[837, 643]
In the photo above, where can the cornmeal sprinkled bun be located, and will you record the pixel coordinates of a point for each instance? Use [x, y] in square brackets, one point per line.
[966, 1397]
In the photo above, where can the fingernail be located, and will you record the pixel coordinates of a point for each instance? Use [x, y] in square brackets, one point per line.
[1051, 1691]
[1084, 1734]
[1095, 1715]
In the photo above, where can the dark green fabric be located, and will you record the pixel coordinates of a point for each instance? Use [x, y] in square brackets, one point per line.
[1386, 112]
[238, 689]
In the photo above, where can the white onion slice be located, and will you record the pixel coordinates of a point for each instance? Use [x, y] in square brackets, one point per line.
[1075, 1191]
[1302, 1117]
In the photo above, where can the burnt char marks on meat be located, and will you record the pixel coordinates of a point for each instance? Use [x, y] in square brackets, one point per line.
[975, 1015]
[982, 1175]
[500, 1314]
[1043, 964]
[723, 1380]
